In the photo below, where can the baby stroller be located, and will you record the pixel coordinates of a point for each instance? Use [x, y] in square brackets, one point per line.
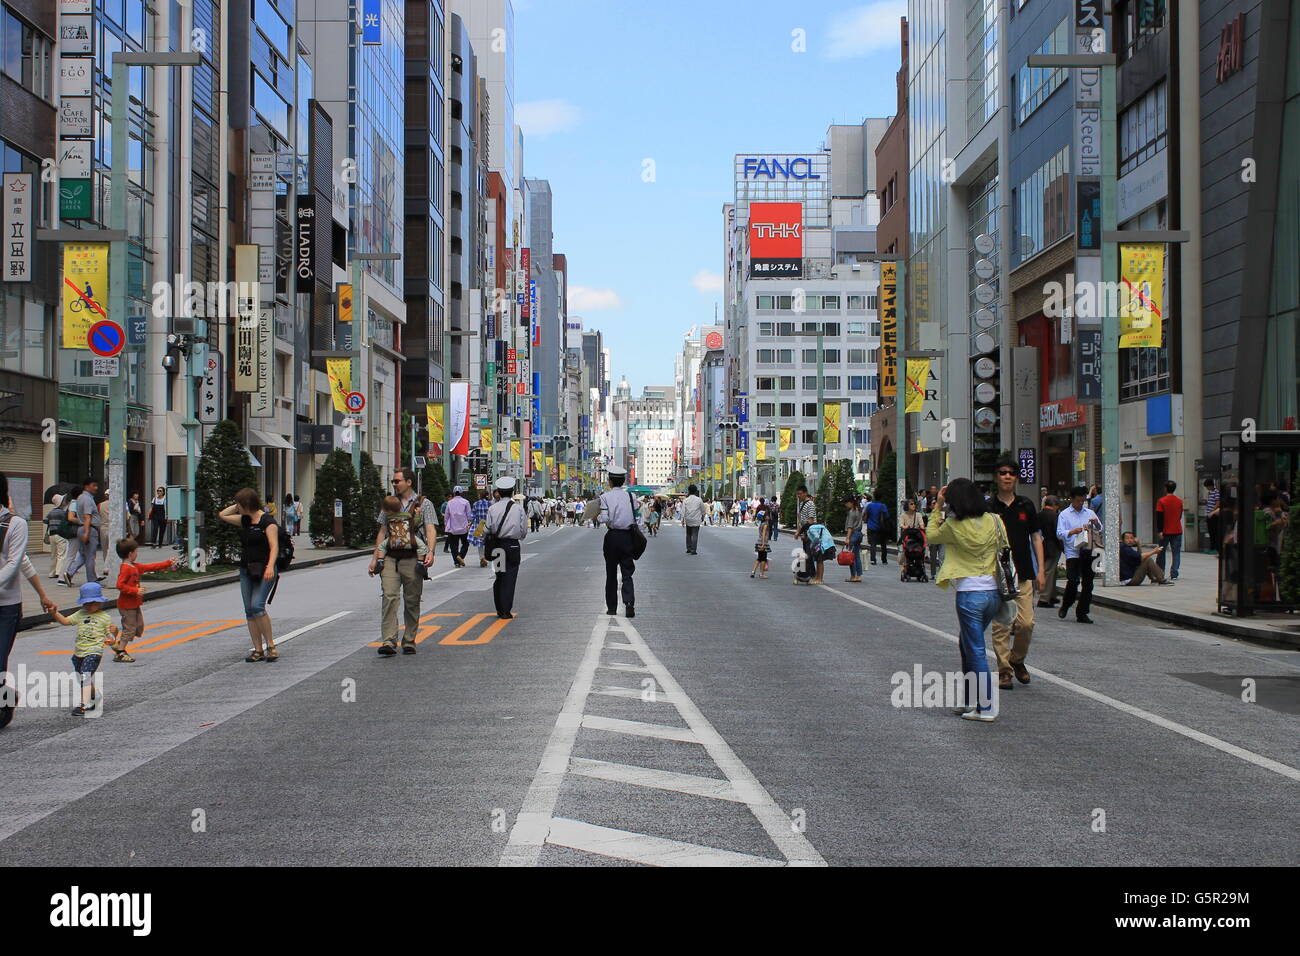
[914, 556]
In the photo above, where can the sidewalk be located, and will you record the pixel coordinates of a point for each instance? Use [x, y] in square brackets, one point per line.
[305, 556]
[1191, 603]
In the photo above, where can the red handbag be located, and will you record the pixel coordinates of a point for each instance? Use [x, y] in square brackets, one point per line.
[845, 558]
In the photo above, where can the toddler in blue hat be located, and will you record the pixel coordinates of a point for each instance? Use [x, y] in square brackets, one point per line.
[95, 628]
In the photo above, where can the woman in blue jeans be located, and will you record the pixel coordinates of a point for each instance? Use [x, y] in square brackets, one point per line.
[259, 539]
[853, 530]
[972, 537]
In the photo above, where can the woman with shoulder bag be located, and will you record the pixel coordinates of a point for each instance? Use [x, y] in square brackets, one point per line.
[972, 537]
[259, 539]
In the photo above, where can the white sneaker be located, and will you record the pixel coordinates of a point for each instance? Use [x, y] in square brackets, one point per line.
[982, 716]
[962, 711]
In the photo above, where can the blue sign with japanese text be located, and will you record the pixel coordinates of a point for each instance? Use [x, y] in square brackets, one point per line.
[372, 29]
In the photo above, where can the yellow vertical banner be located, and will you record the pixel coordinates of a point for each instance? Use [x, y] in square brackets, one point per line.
[436, 417]
[485, 439]
[340, 372]
[786, 435]
[85, 291]
[739, 461]
[717, 471]
[1142, 273]
[537, 461]
[345, 302]
[888, 330]
[550, 462]
[564, 471]
[514, 449]
[831, 423]
[918, 372]
[761, 448]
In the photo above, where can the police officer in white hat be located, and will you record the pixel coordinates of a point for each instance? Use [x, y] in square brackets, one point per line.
[507, 525]
[618, 512]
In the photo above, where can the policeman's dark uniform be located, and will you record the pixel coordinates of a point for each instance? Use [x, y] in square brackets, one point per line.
[507, 523]
[618, 513]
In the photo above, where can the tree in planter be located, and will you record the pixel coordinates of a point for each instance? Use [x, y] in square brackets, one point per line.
[436, 487]
[825, 503]
[839, 478]
[790, 498]
[370, 498]
[336, 481]
[223, 469]
[887, 481]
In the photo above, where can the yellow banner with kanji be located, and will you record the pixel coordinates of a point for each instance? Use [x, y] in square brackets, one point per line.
[564, 472]
[761, 447]
[786, 435]
[537, 461]
[550, 462]
[514, 450]
[436, 418]
[85, 290]
[831, 424]
[738, 461]
[485, 439]
[888, 330]
[717, 471]
[340, 373]
[1142, 274]
[918, 373]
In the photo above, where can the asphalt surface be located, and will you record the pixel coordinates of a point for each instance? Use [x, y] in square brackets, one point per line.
[732, 721]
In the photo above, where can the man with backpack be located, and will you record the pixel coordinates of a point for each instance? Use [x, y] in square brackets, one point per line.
[55, 525]
[403, 571]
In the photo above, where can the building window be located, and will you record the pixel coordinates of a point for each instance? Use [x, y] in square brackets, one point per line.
[857, 329]
[1038, 83]
[1042, 207]
[857, 356]
[765, 328]
[787, 383]
[809, 436]
[785, 356]
[766, 409]
[809, 409]
[784, 303]
[787, 409]
[810, 383]
[832, 383]
[856, 304]
[830, 303]
[831, 329]
[766, 356]
[25, 54]
[784, 328]
[766, 302]
[764, 384]
[1143, 129]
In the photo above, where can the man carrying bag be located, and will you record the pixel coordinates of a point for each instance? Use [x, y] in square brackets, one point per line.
[625, 541]
[507, 525]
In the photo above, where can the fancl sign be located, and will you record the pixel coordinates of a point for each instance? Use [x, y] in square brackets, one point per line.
[778, 167]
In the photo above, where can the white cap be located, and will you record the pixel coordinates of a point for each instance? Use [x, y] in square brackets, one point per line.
[506, 483]
[615, 470]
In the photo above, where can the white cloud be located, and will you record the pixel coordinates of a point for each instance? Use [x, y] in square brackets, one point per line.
[583, 298]
[707, 282]
[864, 30]
[543, 117]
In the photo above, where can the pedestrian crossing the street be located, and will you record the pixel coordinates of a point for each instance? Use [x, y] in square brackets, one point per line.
[617, 648]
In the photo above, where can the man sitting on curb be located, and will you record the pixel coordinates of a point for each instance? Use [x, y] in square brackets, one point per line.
[1134, 566]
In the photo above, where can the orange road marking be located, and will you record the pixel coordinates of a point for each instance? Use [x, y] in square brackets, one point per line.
[190, 626]
[487, 635]
[423, 632]
[215, 629]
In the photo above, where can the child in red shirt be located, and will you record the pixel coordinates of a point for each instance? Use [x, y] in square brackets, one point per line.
[131, 595]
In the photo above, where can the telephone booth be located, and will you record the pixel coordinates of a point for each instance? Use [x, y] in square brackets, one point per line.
[1259, 472]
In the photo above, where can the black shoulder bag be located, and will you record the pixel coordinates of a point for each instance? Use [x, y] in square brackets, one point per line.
[639, 540]
[492, 540]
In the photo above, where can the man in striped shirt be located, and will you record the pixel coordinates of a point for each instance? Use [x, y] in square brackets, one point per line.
[478, 512]
[807, 514]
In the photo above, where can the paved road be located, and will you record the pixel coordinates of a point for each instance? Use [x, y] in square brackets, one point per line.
[733, 721]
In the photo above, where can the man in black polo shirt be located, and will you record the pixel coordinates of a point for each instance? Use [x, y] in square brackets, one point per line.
[1021, 520]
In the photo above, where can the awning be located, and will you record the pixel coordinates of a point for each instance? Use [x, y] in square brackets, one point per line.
[267, 439]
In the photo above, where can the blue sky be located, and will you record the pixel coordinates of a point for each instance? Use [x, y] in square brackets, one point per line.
[601, 86]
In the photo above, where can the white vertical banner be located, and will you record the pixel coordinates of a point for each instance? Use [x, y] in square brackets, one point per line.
[458, 435]
[18, 202]
[260, 404]
[246, 312]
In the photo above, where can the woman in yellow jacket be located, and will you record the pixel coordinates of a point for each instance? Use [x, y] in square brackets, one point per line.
[972, 537]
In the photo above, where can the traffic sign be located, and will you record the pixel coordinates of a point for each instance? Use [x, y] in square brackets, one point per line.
[106, 338]
[104, 367]
[480, 482]
[355, 402]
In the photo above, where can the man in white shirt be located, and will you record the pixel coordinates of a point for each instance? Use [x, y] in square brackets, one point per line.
[618, 513]
[1072, 531]
[507, 525]
[692, 517]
